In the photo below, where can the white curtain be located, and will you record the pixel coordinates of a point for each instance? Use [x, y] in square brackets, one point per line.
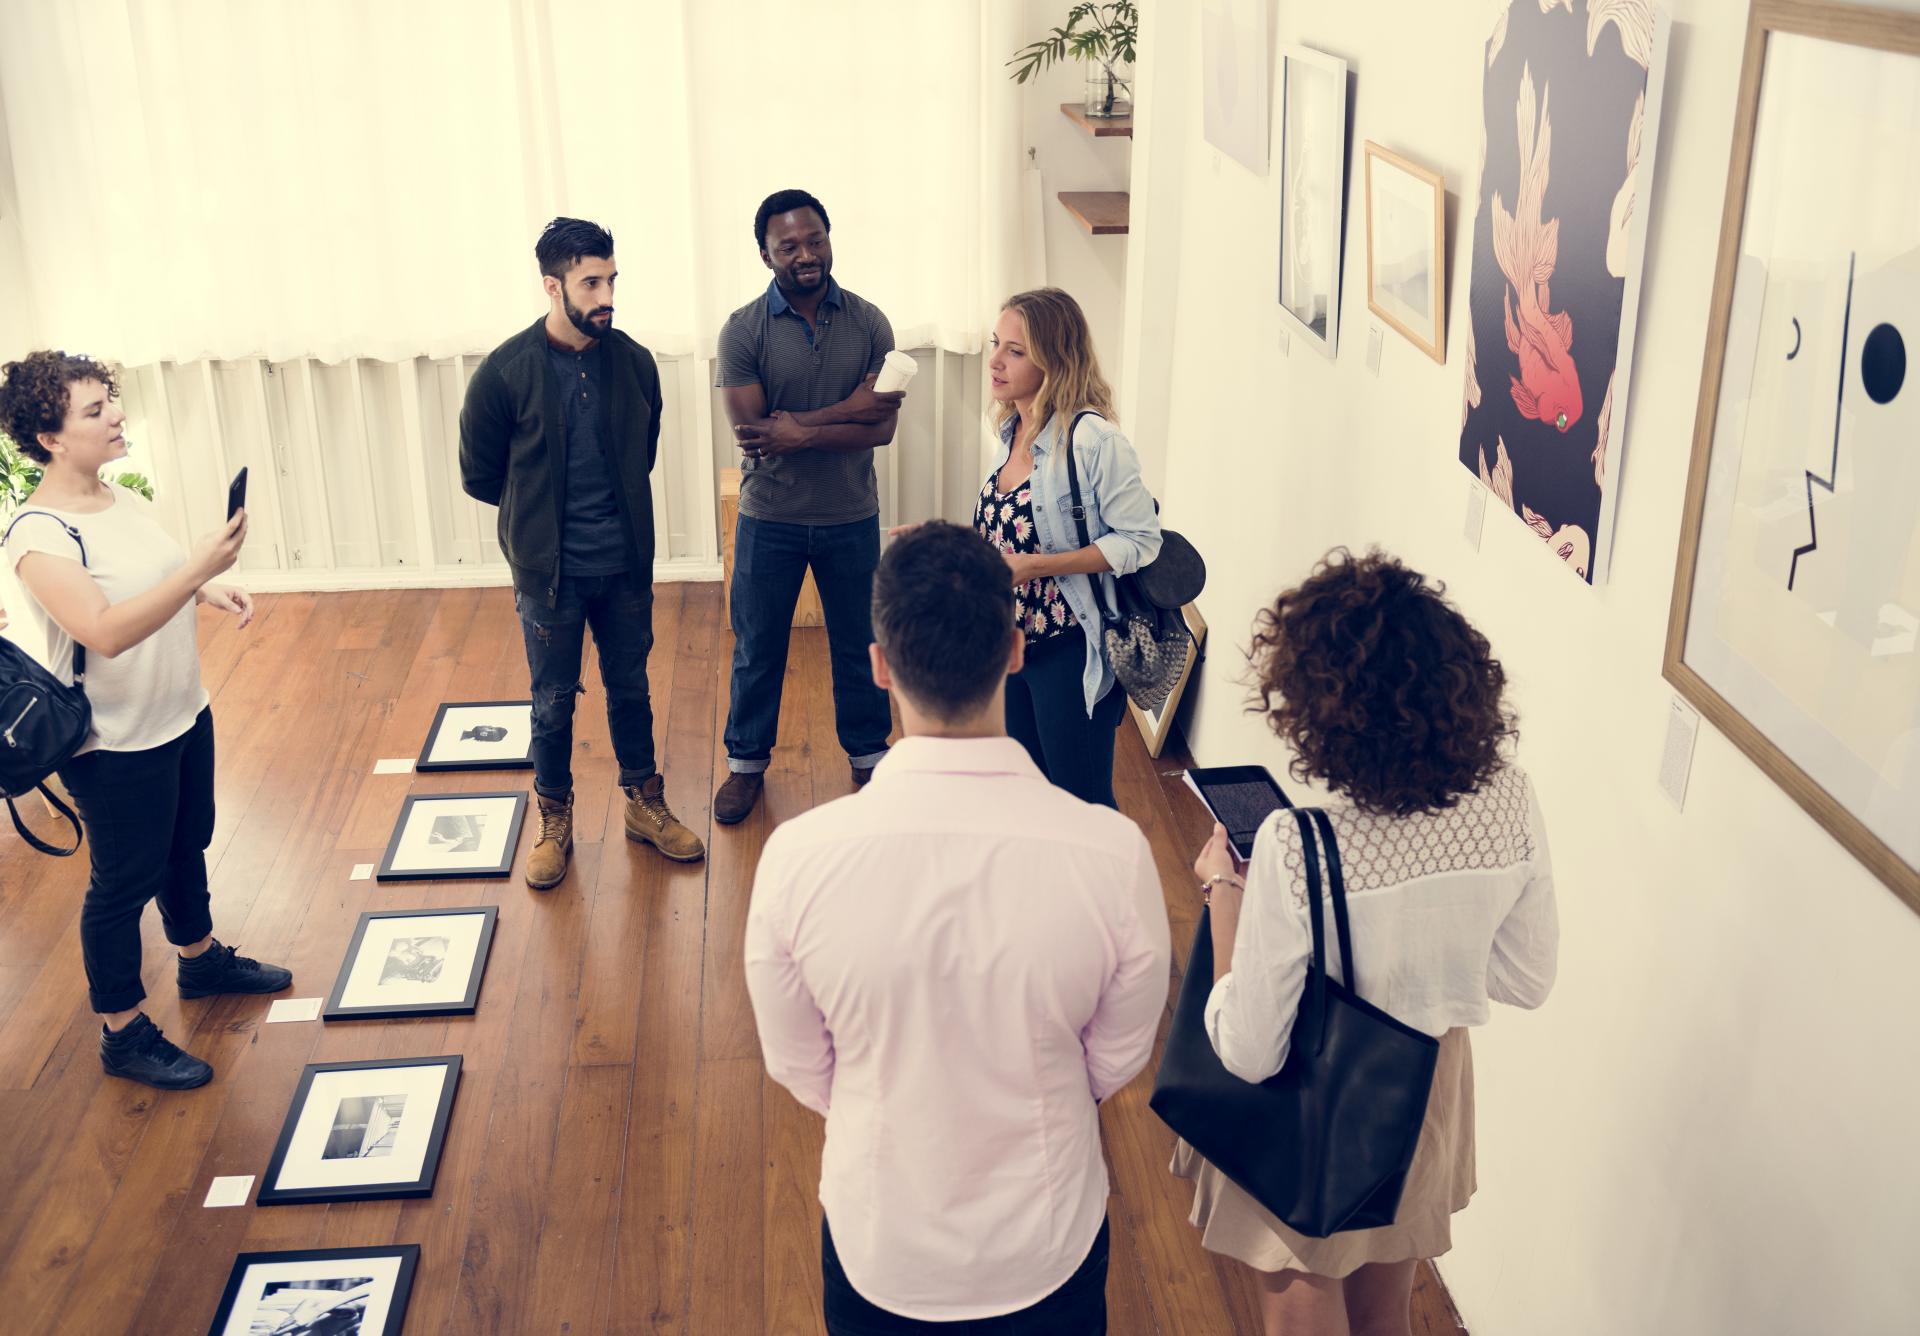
[365, 178]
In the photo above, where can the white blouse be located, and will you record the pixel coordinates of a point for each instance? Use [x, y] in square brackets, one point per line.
[1448, 909]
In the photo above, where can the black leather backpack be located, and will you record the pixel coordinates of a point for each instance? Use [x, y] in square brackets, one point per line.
[43, 721]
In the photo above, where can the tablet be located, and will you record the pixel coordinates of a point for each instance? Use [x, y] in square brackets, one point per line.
[1241, 798]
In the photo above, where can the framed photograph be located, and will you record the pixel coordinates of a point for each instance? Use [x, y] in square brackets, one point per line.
[1313, 193]
[318, 1292]
[1155, 725]
[1570, 118]
[454, 835]
[1406, 249]
[480, 735]
[1795, 623]
[413, 962]
[358, 1131]
[1234, 112]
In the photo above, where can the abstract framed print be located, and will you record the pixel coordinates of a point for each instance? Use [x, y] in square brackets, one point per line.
[1406, 248]
[480, 735]
[1570, 119]
[413, 962]
[359, 1131]
[318, 1292]
[454, 835]
[1156, 725]
[1313, 193]
[1795, 622]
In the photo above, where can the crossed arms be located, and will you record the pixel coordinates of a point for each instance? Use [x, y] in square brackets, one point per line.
[861, 421]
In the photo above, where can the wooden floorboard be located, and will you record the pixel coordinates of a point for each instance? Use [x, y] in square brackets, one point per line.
[617, 1160]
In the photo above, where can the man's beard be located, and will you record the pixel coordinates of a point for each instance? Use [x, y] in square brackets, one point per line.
[582, 322]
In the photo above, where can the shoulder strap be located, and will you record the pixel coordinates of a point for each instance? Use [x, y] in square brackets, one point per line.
[1338, 887]
[79, 650]
[1314, 1004]
[1079, 511]
[53, 801]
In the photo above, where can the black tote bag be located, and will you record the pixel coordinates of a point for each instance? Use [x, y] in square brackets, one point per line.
[1325, 1143]
[43, 721]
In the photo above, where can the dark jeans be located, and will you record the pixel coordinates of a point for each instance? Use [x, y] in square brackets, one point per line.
[769, 562]
[1047, 712]
[620, 611]
[149, 818]
[1077, 1308]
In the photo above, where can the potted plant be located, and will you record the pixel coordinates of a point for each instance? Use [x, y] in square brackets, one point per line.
[1100, 34]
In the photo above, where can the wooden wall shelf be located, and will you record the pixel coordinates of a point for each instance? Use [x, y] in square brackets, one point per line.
[1100, 127]
[1102, 212]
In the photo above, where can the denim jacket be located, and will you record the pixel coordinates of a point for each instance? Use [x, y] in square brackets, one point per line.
[1120, 519]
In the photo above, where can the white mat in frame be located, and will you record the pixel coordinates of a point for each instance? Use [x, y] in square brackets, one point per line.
[413, 962]
[454, 835]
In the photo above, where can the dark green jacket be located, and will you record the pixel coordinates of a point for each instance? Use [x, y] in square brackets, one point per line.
[513, 452]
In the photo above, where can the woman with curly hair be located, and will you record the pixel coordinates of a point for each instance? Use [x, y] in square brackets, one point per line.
[1388, 697]
[99, 572]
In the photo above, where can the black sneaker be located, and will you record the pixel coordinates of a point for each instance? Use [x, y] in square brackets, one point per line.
[221, 969]
[140, 1052]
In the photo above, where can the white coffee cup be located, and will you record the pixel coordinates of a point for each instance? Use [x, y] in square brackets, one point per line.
[895, 373]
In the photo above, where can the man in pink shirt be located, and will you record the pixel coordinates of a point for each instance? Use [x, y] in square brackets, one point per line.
[954, 966]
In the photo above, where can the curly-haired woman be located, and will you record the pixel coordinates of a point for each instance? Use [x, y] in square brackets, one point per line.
[1387, 696]
[98, 570]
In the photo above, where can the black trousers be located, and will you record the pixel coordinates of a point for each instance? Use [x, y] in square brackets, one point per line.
[1077, 1308]
[1047, 713]
[149, 818]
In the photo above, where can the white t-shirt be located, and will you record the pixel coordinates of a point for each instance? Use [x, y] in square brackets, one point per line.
[151, 693]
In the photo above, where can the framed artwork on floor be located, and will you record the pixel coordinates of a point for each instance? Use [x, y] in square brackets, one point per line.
[1406, 248]
[363, 1291]
[1570, 117]
[480, 735]
[1313, 193]
[454, 835]
[1795, 622]
[1156, 725]
[413, 962]
[359, 1131]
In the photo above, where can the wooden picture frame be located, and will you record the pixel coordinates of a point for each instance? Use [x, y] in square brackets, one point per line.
[357, 989]
[1712, 618]
[1425, 269]
[407, 859]
[303, 1132]
[1156, 725]
[240, 1304]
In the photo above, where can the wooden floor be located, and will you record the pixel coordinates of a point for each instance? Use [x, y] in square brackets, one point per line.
[617, 1160]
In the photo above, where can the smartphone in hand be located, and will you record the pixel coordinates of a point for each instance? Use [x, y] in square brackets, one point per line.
[237, 493]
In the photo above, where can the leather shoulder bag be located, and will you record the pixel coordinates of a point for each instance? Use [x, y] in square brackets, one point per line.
[1146, 637]
[43, 721]
[1325, 1143]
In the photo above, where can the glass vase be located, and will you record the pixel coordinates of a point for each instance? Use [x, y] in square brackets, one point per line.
[1109, 89]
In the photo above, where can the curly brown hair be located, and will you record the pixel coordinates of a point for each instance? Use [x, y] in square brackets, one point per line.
[34, 396]
[1384, 690]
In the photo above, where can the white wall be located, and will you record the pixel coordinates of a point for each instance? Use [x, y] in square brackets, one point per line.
[1710, 1127]
[16, 299]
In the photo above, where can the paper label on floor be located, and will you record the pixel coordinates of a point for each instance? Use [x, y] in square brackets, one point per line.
[232, 1190]
[361, 872]
[1676, 762]
[293, 1009]
[393, 765]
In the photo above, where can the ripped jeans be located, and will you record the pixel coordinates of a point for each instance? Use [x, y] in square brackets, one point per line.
[620, 611]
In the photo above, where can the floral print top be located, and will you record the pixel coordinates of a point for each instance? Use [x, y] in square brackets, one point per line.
[1006, 521]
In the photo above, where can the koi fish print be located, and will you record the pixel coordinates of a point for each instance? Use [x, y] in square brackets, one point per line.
[1527, 249]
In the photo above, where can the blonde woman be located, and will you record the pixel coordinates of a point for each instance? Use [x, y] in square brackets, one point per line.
[1064, 705]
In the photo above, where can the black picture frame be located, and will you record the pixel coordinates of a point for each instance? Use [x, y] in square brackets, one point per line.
[388, 871]
[420, 1186]
[407, 1253]
[336, 1008]
[522, 762]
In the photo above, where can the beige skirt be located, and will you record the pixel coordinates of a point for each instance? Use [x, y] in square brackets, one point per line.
[1440, 1182]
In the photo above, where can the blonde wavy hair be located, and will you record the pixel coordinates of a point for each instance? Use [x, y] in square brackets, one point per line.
[1060, 344]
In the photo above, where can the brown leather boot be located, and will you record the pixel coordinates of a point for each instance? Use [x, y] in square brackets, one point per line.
[547, 864]
[650, 822]
[737, 796]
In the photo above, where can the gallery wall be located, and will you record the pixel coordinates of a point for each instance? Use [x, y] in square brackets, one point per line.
[16, 311]
[1709, 1127]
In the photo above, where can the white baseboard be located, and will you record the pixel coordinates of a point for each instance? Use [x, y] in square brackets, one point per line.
[445, 577]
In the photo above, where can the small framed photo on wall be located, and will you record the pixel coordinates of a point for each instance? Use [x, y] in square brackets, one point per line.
[1406, 248]
[413, 962]
[1313, 193]
[480, 735]
[454, 835]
